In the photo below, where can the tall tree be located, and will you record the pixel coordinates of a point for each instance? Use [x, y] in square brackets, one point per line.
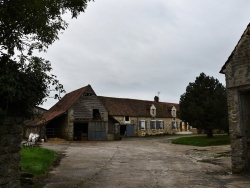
[204, 105]
[27, 26]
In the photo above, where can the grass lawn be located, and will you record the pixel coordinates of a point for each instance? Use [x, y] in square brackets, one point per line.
[37, 160]
[203, 140]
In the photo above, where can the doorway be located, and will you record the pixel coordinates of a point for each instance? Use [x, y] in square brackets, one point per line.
[127, 130]
[245, 125]
[80, 131]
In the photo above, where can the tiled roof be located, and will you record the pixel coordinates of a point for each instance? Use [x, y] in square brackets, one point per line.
[134, 107]
[61, 106]
[115, 106]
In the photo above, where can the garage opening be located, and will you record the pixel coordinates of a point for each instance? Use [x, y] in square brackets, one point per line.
[245, 125]
[80, 131]
[54, 128]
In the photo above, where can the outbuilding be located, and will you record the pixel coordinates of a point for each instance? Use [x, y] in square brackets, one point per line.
[237, 73]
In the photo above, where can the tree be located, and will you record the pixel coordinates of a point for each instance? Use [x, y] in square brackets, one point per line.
[23, 86]
[204, 105]
[27, 26]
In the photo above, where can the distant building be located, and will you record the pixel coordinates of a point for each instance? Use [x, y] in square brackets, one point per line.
[38, 112]
[81, 114]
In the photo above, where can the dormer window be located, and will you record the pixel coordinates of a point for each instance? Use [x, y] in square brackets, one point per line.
[153, 111]
[173, 112]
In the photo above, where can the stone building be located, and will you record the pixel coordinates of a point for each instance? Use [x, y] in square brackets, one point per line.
[141, 117]
[81, 114]
[237, 73]
[38, 112]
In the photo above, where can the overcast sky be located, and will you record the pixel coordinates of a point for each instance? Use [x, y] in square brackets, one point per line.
[137, 48]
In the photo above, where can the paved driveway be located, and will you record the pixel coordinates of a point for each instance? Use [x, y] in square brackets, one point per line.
[142, 162]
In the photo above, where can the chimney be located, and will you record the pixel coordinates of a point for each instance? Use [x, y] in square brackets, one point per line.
[156, 99]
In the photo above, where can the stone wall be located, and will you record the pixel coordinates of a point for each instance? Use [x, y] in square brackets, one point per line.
[237, 72]
[135, 120]
[10, 146]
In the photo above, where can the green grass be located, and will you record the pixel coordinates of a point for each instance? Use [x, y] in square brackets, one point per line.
[37, 160]
[203, 140]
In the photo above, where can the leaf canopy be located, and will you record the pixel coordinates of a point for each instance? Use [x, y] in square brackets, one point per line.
[204, 104]
[28, 25]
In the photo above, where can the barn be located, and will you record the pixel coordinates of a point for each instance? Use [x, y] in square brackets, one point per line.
[82, 115]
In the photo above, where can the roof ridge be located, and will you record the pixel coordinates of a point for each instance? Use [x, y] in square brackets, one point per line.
[138, 100]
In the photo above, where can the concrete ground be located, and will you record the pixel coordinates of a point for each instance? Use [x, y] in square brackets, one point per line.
[142, 162]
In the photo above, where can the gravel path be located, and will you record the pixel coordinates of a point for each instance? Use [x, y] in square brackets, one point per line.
[142, 162]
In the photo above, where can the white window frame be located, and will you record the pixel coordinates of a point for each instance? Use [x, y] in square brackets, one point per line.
[140, 124]
[173, 112]
[153, 110]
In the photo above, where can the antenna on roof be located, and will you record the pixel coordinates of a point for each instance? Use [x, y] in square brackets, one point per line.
[158, 93]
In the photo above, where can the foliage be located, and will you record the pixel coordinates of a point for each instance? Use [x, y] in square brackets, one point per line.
[34, 24]
[24, 85]
[37, 160]
[203, 140]
[27, 26]
[204, 105]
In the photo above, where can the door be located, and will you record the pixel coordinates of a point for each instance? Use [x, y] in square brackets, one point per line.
[130, 130]
[97, 130]
[80, 131]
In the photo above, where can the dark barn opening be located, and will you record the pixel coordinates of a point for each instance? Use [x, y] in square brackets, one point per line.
[122, 130]
[53, 130]
[80, 131]
[245, 121]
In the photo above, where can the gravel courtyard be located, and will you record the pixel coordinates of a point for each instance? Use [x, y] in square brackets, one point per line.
[142, 162]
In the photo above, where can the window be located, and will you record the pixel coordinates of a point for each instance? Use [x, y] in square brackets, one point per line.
[96, 114]
[153, 111]
[152, 124]
[160, 124]
[126, 118]
[174, 126]
[173, 111]
[142, 125]
[87, 94]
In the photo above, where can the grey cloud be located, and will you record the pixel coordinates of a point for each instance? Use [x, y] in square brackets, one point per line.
[133, 49]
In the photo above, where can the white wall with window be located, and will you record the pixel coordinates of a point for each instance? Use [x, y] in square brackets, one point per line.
[126, 119]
